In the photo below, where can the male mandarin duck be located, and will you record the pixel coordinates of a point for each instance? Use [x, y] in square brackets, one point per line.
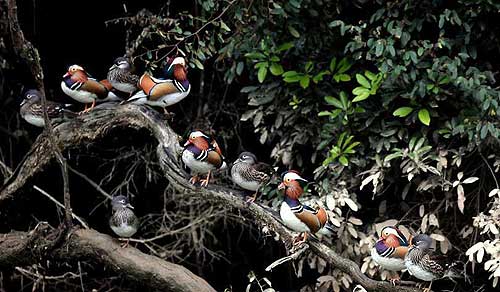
[123, 222]
[390, 250]
[32, 111]
[78, 85]
[121, 77]
[424, 265]
[164, 92]
[298, 217]
[250, 174]
[202, 155]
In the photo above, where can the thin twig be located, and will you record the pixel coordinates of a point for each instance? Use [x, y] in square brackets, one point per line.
[78, 218]
[290, 257]
[489, 167]
[43, 277]
[91, 182]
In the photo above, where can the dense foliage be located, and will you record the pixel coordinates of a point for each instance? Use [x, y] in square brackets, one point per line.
[395, 98]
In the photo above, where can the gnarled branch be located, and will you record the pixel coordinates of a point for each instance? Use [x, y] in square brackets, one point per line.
[22, 248]
[88, 128]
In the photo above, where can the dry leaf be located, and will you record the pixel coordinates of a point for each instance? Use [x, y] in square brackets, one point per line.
[461, 198]
[470, 180]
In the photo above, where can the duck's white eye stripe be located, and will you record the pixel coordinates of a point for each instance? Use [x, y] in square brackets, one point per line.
[292, 175]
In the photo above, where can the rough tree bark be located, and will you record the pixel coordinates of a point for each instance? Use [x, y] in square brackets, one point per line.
[97, 124]
[23, 248]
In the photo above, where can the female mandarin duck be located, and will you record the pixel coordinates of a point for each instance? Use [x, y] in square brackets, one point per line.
[202, 155]
[164, 92]
[123, 221]
[250, 174]
[120, 76]
[32, 111]
[298, 217]
[390, 250]
[78, 85]
[424, 265]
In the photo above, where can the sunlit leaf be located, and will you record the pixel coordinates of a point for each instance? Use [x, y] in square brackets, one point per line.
[424, 117]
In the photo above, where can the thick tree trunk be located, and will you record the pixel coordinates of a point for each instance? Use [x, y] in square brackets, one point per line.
[97, 124]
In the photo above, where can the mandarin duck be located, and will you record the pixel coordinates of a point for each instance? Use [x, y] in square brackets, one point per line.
[164, 92]
[32, 111]
[202, 155]
[390, 250]
[424, 265]
[123, 222]
[121, 77]
[298, 217]
[250, 174]
[78, 85]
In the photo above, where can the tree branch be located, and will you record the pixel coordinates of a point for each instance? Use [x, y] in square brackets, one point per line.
[91, 127]
[29, 54]
[22, 248]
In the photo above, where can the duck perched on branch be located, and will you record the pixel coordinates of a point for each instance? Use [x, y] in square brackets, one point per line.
[164, 92]
[202, 155]
[121, 77]
[250, 174]
[390, 250]
[123, 222]
[80, 86]
[424, 265]
[298, 217]
[32, 110]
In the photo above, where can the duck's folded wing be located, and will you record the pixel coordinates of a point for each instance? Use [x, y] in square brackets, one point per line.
[310, 219]
[431, 264]
[95, 87]
[156, 88]
[215, 158]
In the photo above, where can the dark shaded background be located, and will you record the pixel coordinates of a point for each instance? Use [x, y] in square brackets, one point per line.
[67, 33]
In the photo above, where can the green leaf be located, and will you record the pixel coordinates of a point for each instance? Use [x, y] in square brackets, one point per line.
[342, 77]
[343, 160]
[309, 66]
[343, 65]
[276, 69]
[239, 68]
[290, 73]
[304, 81]
[260, 65]
[444, 80]
[333, 62]
[379, 49]
[424, 117]
[392, 156]
[344, 100]
[324, 113]
[293, 31]
[224, 26]
[261, 74]
[363, 81]
[284, 47]
[360, 90]
[361, 97]
[255, 55]
[198, 64]
[402, 111]
[370, 75]
[334, 101]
